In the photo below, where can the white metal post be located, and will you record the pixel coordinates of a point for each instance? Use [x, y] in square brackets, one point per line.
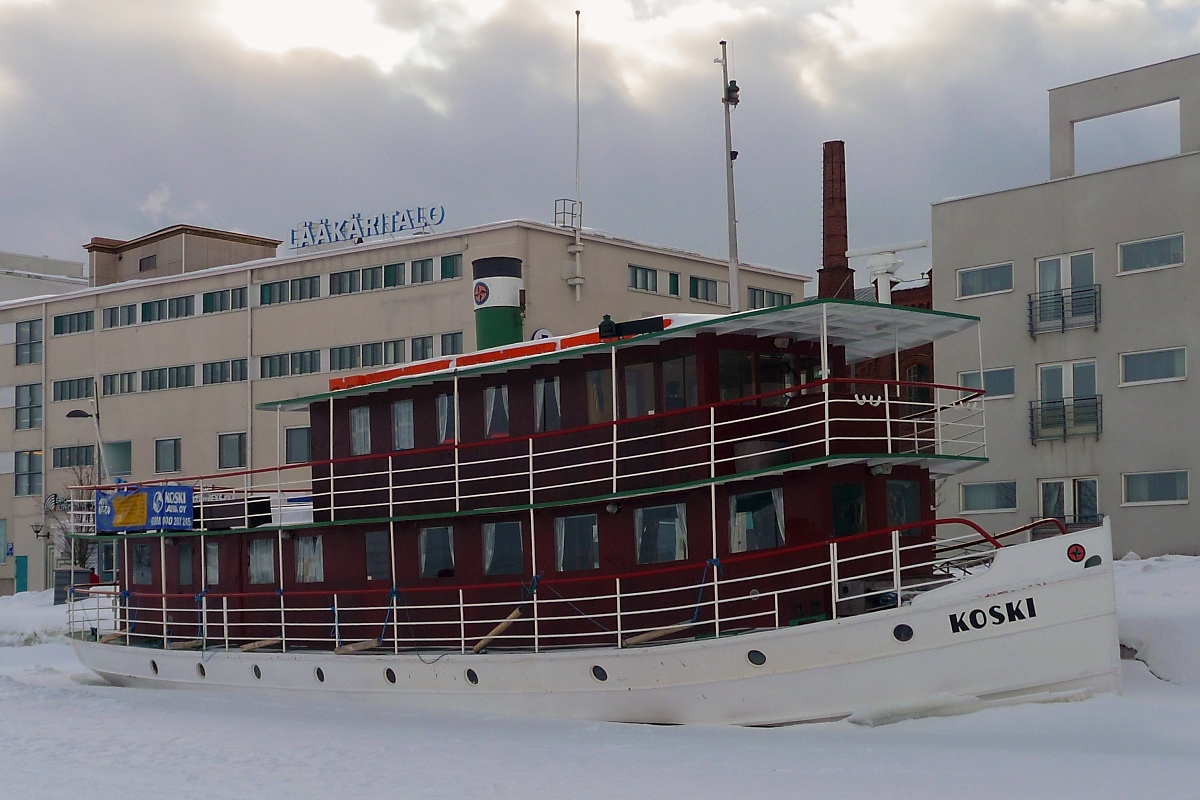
[225, 618]
[457, 489]
[896, 564]
[162, 580]
[616, 414]
[620, 636]
[825, 369]
[731, 208]
[462, 622]
[833, 579]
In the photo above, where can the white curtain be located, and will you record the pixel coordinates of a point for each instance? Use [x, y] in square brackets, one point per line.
[680, 532]
[777, 499]
[437, 550]
[445, 412]
[489, 546]
[403, 437]
[495, 402]
[212, 563]
[360, 430]
[310, 563]
[262, 560]
[737, 527]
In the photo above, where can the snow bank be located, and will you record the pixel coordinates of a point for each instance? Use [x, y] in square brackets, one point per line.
[31, 617]
[1158, 613]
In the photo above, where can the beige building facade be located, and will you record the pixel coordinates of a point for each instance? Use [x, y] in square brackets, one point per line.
[1086, 289]
[170, 354]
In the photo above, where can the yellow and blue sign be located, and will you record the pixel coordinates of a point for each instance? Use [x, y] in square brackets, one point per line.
[149, 508]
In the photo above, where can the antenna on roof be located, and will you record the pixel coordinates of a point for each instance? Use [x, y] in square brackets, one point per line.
[569, 213]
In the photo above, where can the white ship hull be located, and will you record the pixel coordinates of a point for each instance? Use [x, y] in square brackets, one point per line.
[1034, 624]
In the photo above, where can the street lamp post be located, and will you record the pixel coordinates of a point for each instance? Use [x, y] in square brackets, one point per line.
[729, 99]
[79, 413]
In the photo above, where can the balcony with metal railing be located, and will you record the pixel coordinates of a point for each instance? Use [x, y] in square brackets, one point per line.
[1066, 418]
[1062, 309]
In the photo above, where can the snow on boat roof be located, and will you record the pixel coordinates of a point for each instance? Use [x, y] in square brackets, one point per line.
[866, 330]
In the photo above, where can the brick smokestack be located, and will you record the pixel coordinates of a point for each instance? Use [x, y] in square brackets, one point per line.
[834, 278]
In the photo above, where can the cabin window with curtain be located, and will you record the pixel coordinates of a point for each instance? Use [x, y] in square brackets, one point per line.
[212, 563]
[495, 412]
[310, 559]
[185, 564]
[360, 430]
[756, 520]
[403, 433]
[262, 560]
[502, 548]
[445, 419]
[661, 533]
[680, 388]
[599, 396]
[736, 368]
[378, 556]
[576, 543]
[904, 505]
[639, 390]
[546, 412]
[437, 552]
[143, 573]
[849, 509]
[775, 373]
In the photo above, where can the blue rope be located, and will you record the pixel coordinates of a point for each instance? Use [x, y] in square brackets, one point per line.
[714, 564]
[386, 617]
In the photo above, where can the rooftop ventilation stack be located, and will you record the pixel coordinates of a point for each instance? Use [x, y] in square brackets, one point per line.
[834, 278]
[497, 291]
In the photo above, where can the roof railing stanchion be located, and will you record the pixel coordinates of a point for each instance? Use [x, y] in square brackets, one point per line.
[896, 564]
[457, 490]
[225, 618]
[615, 415]
[620, 635]
[462, 622]
[825, 370]
[887, 414]
[162, 575]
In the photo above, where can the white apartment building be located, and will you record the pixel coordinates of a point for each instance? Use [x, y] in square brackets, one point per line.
[183, 332]
[1087, 297]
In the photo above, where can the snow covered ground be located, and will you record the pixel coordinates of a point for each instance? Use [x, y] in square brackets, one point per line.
[67, 735]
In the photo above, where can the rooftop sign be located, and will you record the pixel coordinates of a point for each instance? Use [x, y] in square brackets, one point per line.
[357, 227]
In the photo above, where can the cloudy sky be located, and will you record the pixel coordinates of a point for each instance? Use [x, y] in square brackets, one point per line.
[123, 116]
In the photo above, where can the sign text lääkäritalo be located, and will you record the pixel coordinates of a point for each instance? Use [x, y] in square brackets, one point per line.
[357, 226]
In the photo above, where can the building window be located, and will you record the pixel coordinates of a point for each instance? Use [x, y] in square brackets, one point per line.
[29, 342]
[393, 352]
[403, 431]
[79, 322]
[212, 563]
[1072, 500]
[215, 372]
[310, 559]
[372, 355]
[80, 455]
[346, 357]
[422, 347]
[168, 455]
[502, 548]
[305, 288]
[495, 412]
[1067, 403]
[546, 412]
[28, 406]
[680, 387]
[599, 396]
[305, 362]
[271, 293]
[118, 458]
[143, 573]
[231, 450]
[180, 377]
[660, 533]
[920, 374]
[445, 419]
[1155, 488]
[639, 390]
[643, 279]
[422, 270]
[146, 263]
[224, 300]
[904, 505]
[154, 379]
[344, 282]
[983, 497]
[985, 280]
[576, 543]
[154, 310]
[185, 564]
[673, 284]
[181, 306]
[437, 552]
[262, 560]
[849, 508]
[995, 383]
[452, 343]
[706, 290]
[378, 556]
[765, 298]
[27, 472]
[119, 383]
[360, 430]
[452, 266]
[1153, 366]
[1151, 254]
[756, 521]
[273, 366]
[372, 278]
[120, 316]
[74, 389]
[393, 275]
[297, 446]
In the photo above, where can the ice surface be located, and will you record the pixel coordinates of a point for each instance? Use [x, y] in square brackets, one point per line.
[67, 736]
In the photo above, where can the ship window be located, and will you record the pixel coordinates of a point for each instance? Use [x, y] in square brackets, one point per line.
[775, 373]
[360, 430]
[502, 548]
[639, 390]
[737, 374]
[904, 505]
[599, 396]
[212, 563]
[379, 556]
[546, 409]
[185, 564]
[679, 384]
[297, 445]
[403, 434]
[310, 560]
[437, 552]
[445, 414]
[661, 533]
[576, 543]
[849, 509]
[756, 520]
[495, 412]
[142, 572]
[262, 560]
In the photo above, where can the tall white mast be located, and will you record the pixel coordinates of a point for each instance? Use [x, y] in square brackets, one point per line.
[729, 98]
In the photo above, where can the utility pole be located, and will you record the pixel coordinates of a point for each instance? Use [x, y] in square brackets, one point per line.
[729, 99]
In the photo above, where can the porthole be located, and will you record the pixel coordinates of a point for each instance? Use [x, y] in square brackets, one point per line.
[1094, 561]
[257, 672]
[902, 632]
[154, 666]
[200, 670]
[389, 675]
[320, 675]
[599, 674]
[472, 678]
[756, 657]
[755, 594]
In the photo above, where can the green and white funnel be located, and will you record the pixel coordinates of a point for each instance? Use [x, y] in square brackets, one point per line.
[497, 294]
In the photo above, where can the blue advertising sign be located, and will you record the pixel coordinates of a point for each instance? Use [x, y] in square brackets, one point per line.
[149, 508]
